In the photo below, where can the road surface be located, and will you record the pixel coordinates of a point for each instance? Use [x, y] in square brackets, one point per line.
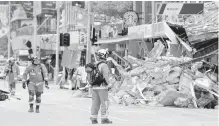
[59, 108]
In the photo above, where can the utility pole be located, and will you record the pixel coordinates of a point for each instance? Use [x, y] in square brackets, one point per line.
[65, 30]
[57, 44]
[152, 17]
[9, 34]
[88, 54]
[35, 30]
[88, 51]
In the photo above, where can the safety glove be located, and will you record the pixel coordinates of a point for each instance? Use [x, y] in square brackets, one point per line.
[24, 85]
[47, 84]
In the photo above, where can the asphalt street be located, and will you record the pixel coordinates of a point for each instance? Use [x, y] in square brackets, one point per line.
[59, 108]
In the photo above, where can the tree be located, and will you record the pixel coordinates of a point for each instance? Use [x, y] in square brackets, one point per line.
[111, 8]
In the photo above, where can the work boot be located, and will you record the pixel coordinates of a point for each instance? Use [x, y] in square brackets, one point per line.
[106, 121]
[94, 121]
[31, 108]
[37, 109]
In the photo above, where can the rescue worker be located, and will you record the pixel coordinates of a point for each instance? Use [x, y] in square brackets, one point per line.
[11, 72]
[37, 75]
[100, 93]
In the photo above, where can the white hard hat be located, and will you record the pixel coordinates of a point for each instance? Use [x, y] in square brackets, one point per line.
[102, 53]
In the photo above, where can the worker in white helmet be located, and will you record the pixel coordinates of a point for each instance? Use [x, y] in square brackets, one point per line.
[11, 72]
[100, 79]
[37, 76]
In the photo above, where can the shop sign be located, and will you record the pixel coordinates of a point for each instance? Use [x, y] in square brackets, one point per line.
[136, 31]
[181, 8]
[47, 42]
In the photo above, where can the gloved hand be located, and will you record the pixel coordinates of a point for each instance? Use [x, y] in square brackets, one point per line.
[109, 88]
[24, 85]
[47, 84]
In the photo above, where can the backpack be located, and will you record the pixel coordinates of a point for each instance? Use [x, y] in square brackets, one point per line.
[94, 77]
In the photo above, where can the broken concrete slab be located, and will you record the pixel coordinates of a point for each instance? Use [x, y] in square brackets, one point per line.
[182, 102]
[168, 97]
[184, 83]
[205, 99]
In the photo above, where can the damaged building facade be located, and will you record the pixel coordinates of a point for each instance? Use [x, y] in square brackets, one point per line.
[174, 60]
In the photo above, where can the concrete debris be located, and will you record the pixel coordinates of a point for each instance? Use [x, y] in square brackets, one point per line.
[157, 50]
[168, 97]
[205, 99]
[162, 81]
[183, 102]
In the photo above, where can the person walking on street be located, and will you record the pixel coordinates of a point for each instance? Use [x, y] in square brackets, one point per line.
[37, 76]
[11, 72]
[101, 80]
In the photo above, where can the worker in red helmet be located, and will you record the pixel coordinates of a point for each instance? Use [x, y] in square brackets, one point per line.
[37, 76]
[11, 72]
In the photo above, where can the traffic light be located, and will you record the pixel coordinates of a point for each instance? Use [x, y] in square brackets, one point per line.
[93, 36]
[66, 41]
[100, 34]
[80, 4]
[61, 39]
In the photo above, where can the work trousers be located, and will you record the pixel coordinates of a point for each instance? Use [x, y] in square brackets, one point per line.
[12, 87]
[35, 89]
[99, 100]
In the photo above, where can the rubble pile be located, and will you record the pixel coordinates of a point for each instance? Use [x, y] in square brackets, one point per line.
[163, 82]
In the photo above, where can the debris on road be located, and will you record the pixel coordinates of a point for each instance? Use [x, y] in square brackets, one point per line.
[163, 81]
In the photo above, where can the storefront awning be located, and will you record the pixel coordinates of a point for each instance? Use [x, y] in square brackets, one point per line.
[113, 40]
